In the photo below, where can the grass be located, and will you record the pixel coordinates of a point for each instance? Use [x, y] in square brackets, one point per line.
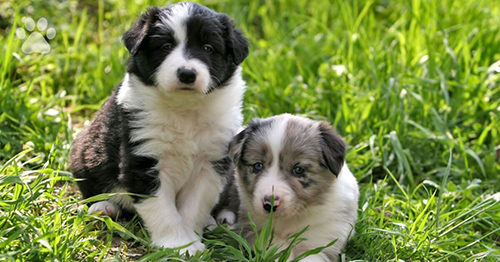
[413, 86]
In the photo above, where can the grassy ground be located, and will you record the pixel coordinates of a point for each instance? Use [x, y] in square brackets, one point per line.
[413, 86]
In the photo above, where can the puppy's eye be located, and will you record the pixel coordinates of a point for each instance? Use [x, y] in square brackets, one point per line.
[208, 48]
[168, 47]
[257, 167]
[297, 170]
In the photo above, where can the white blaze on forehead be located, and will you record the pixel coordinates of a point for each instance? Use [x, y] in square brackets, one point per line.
[272, 181]
[275, 136]
[176, 18]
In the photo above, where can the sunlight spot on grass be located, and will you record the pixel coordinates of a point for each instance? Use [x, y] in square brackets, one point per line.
[339, 69]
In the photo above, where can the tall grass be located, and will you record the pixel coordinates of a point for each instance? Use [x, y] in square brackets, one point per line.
[413, 86]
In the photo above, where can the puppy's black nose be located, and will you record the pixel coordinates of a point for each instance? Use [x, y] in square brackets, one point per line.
[267, 203]
[186, 76]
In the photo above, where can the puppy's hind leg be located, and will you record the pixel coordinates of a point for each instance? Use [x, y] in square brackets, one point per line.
[116, 206]
[105, 208]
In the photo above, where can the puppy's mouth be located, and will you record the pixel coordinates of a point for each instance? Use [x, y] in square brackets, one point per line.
[186, 88]
[192, 89]
[283, 211]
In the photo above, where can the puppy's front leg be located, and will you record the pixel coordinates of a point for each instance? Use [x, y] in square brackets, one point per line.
[164, 223]
[196, 200]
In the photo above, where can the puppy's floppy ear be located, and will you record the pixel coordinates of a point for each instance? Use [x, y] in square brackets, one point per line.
[135, 36]
[236, 145]
[236, 43]
[333, 148]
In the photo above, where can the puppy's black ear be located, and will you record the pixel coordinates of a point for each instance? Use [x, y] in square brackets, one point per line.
[236, 43]
[135, 36]
[333, 148]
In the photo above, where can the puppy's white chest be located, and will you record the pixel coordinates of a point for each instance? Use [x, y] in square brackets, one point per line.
[183, 135]
[184, 132]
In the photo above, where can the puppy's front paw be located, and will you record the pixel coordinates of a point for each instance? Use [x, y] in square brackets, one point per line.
[226, 217]
[193, 248]
[211, 224]
[195, 245]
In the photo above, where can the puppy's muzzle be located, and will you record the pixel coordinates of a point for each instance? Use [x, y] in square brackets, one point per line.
[267, 204]
[186, 76]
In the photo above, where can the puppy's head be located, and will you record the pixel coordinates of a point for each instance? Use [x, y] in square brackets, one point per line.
[184, 47]
[292, 158]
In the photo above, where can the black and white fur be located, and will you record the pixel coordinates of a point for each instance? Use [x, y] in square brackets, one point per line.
[301, 163]
[165, 130]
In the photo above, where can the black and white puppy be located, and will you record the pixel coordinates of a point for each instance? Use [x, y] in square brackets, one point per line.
[301, 163]
[165, 130]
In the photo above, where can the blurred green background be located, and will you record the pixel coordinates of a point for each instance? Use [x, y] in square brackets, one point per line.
[413, 86]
